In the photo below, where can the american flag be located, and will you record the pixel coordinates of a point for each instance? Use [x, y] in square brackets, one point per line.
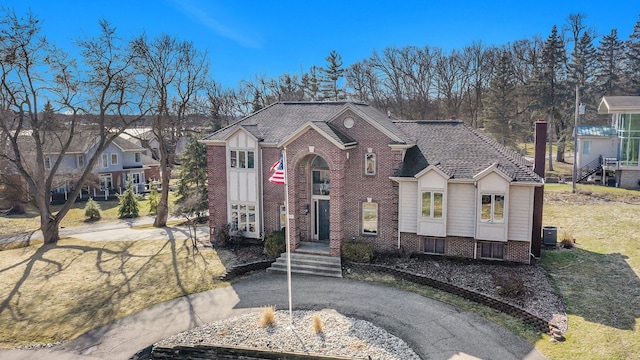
[277, 172]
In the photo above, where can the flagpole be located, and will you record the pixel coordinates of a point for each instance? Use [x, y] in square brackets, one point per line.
[288, 232]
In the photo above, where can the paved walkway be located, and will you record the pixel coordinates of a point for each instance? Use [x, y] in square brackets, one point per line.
[433, 329]
[135, 229]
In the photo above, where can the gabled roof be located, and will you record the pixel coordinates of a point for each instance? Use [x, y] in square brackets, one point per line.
[459, 151]
[275, 123]
[327, 130]
[619, 104]
[596, 131]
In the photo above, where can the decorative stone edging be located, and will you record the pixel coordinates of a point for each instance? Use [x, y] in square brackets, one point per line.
[245, 268]
[229, 352]
[530, 319]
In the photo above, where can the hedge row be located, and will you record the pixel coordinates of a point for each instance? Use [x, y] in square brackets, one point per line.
[533, 320]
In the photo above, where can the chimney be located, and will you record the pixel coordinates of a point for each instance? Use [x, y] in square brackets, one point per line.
[538, 193]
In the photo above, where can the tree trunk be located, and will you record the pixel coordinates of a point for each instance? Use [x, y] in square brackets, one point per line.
[560, 149]
[49, 228]
[163, 204]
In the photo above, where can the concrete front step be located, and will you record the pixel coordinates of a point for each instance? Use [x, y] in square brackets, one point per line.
[308, 264]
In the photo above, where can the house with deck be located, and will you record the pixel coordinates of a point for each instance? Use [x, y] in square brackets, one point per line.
[120, 162]
[353, 172]
[609, 154]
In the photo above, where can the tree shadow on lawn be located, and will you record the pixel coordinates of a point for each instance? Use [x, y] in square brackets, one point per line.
[601, 288]
[123, 274]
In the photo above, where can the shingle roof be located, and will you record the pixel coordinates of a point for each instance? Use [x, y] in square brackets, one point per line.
[459, 151]
[596, 131]
[275, 122]
[613, 104]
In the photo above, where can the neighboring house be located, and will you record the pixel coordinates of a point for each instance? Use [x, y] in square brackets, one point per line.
[610, 154]
[437, 187]
[120, 161]
[145, 137]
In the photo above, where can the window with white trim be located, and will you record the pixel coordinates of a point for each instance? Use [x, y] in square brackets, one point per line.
[242, 159]
[80, 160]
[137, 157]
[490, 250]
[492, 210]
[432, 204]
[586, 147]
[434, 245]
[114, 159]
[47, 162]
[370, 164]
[243, 217]
[104, 161]
[370, 218]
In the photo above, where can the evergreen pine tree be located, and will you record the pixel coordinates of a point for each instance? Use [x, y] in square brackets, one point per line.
[154, 198]
[128, 204]
[548, 88]
[633, 60]
[500, 104]
[311, 84]
[609, 57]
[192, 183]
[92, 210]
[332, 73]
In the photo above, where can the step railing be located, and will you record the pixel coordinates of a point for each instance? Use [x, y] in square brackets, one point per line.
[589, 169]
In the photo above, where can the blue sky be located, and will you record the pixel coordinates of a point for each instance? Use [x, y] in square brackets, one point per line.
[248, 38]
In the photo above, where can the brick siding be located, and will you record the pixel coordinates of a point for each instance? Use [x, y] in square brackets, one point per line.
[217, 183]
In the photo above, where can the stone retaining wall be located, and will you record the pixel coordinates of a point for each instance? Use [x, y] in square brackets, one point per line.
[530, 319]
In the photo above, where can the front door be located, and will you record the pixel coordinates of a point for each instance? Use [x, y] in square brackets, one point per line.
[320, 192]
[321, 219]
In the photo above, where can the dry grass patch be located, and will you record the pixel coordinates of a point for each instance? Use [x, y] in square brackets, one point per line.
[52, 293]
[268, 316]
[599, 279]
[317, 324]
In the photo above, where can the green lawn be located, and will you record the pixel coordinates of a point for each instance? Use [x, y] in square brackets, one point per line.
[599, 280]
[53, 293]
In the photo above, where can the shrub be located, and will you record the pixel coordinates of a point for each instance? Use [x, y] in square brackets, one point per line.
[356, 251]
[566, 240]
[317, 324]
[510, 285]
[221, 235]
[154, 199]
[268, 316]
[92, 210]
[128, 207]
[275, 244]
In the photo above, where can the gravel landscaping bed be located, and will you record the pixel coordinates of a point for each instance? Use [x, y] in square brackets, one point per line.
[525, 286]
[340, 336]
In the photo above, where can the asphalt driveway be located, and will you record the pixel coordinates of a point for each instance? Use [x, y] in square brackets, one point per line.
[433, 329]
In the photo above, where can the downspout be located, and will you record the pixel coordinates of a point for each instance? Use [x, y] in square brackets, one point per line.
[475, 217]
[260, 191]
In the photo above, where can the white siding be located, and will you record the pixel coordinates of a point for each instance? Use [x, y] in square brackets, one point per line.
[461, 215]
[605, 146]
[408, 207]
[520, 212]
[492, 183]
[434, 182]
